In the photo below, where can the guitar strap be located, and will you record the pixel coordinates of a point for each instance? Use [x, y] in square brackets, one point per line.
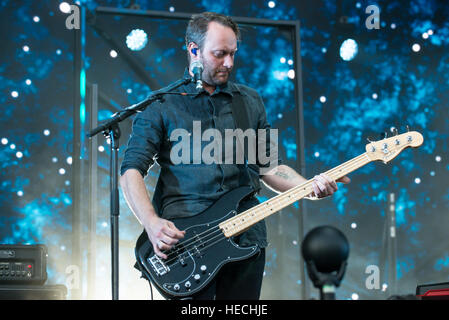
[241, 119]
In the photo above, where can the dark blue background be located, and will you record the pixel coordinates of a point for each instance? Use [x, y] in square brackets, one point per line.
[386, 85]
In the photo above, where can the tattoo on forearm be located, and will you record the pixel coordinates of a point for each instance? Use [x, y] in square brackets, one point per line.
[282, 175]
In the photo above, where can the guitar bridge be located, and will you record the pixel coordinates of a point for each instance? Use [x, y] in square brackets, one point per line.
[158, 265]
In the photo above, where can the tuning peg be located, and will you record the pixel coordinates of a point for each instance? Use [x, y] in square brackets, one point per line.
[408, 128]
[394, 130]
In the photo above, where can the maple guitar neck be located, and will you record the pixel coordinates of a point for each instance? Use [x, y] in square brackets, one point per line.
[246, 219]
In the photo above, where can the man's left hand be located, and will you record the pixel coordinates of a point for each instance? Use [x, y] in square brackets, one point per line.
[324, 186]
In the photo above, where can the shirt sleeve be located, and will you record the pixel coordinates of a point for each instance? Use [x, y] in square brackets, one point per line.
[267, 141]
[145, 140]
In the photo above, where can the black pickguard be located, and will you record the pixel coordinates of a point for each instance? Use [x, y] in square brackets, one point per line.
[198, 257]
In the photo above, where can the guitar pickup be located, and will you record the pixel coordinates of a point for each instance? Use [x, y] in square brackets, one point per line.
[158, 265]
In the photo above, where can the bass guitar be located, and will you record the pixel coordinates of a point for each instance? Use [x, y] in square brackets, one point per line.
[208, 242]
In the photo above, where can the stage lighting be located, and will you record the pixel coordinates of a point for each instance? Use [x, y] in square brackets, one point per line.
[348, 49]
[4, 141]
[136, 40]
[271, 4]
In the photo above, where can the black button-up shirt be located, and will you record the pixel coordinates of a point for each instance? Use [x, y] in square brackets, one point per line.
[186, 189]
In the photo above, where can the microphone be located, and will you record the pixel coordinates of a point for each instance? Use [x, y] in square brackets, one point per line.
[197, 70]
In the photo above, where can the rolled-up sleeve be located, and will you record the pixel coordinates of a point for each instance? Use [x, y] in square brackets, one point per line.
[145, 140]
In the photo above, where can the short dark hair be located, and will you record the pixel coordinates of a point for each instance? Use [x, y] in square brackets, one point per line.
[198, 25]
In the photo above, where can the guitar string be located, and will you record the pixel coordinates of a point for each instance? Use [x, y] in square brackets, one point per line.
[354, 163]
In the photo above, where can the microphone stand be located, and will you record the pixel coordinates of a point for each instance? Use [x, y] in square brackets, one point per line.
[111, 130]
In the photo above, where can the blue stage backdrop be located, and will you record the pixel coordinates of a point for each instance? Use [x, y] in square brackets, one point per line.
[368, 68]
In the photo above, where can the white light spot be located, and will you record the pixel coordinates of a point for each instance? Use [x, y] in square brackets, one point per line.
[290, 61]
[432, 173]
[69, 160]
[417, 180]
[291, 74]
[374, 96]
[282, 60]
[54, 159]
[28, 82]
[353, 225]
[46, 132]
[355, 296]
[61, 171]
[271, 4]
[4, 141]
[36, 19]
[171, 9]
[323, 99]
[64, 7]
[26, 48]
[58, 52]
[113, 54]
[430, 32]
[19, 154]
[316, 154]
[12, 146]
[14, 94]
[438, 159]
[20, 193]
[416, 47]
[100, 148]
[425, 35]
[348, 49]
[393, 26]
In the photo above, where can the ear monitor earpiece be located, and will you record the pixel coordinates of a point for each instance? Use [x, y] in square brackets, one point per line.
[194, 51]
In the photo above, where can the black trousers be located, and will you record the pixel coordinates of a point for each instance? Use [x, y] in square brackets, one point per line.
[240, 280]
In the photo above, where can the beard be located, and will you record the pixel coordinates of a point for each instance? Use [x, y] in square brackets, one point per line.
[216, 76]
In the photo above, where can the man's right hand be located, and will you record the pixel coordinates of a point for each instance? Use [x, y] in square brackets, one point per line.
[163, 234]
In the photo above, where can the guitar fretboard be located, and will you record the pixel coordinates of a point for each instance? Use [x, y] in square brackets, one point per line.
[246, 219]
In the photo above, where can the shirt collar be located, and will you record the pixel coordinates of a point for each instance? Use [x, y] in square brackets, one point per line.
[229, 88]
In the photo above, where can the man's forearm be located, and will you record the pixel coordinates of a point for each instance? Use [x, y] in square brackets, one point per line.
[282, 178]
[136, 196]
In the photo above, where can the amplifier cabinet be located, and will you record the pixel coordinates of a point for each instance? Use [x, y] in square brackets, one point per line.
[23, 264]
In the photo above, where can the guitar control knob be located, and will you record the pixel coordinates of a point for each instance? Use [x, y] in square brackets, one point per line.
[203, 268]
[197, 277]
[187, 284]
[176, 287]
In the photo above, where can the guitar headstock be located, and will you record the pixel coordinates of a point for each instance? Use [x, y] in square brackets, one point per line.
[388, 148]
